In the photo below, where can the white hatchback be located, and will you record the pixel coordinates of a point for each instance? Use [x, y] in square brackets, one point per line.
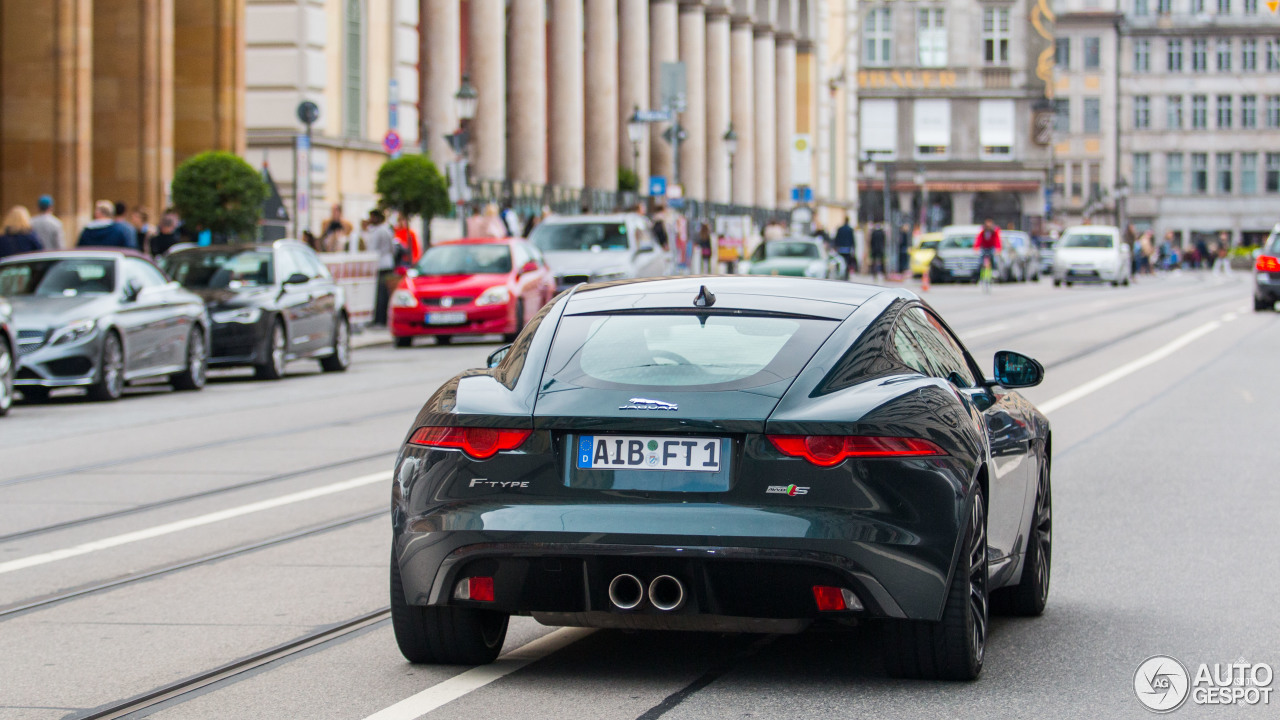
[1091, 253]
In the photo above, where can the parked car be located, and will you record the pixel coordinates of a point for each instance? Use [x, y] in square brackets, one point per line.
[8, 356]
[924, 252]
[269, 303]
[1021, 262]
[102, 319]
[599, 248]
[1091, 253]
[1266, 274]
[726, 454]
[956, 259]
[471, 287]
[796, 257]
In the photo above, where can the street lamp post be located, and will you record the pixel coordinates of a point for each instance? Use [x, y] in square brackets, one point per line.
[635, 131]
[1122, 195]
[924, 199]
[465, 102]
[731, 149]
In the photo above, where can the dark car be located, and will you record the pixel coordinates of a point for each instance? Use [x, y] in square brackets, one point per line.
[101, 319]
[270, 304]
[726, 454]
[8, 350]
[1266, 274]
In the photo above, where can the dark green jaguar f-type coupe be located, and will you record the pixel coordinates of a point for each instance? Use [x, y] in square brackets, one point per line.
[726, 454]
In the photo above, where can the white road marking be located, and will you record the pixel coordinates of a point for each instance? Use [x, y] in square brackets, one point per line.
[1230, 316]
[477, 677]
[198, 521]
[1128, 369]
[987, 330]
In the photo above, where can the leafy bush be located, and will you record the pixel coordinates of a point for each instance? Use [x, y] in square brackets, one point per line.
[412, 185]
[220, 192]
[628, 180]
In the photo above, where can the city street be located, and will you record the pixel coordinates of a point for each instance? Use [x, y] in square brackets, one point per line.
[150, 542]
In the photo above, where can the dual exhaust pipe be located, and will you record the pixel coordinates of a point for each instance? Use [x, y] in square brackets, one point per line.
[665, 592]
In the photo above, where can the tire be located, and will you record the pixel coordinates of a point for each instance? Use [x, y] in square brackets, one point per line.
[442, 634]
[1029, 597]
[340, 359]
[110, 384]
[511, 336]
[1069, 283]
[404, 342]
[277, 351]
[444, 339]
[1125, 282]
[6, 377]
[953, 648]
[1263, 304]
[1115, 283]
[196, 372]
[1057, 282]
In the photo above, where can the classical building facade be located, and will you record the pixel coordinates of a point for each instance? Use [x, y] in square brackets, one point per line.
[949, 94]
[102, 97]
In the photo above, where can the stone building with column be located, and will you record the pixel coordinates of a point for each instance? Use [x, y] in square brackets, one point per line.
[559, 79]
[101, 98]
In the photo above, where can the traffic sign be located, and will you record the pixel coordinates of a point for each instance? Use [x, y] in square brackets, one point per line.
[802, 194]
[657, 186]
[391, 142]
[653, 116]
[1272, 5]
[669, 133]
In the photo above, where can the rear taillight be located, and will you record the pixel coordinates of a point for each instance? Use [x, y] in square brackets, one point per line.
[830, 450]
[479, 443]
[834, 599]
[1267, 264]
[479, 589]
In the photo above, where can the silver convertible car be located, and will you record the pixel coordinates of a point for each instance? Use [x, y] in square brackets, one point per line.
[99, 320]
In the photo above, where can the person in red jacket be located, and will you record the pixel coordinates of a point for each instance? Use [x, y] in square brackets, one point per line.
[987, 243]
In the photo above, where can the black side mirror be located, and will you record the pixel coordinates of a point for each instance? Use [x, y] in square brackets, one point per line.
[497, 356]
[1015, 370]
[297, 279]
[131, 292]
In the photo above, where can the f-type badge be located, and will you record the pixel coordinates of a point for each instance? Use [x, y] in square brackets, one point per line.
[646, 404]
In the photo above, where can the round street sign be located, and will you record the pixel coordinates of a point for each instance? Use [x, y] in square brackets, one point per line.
[391, 142]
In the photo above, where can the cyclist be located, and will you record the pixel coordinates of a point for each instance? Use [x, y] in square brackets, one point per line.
[987, 243]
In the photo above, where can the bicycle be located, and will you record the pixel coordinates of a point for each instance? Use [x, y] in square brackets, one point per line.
[984, 275]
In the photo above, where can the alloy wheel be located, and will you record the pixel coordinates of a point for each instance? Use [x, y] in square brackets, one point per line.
[6, 377]
[196, 359]
[1043, 533]
[278, 349]
[342, 344]
[978, 599]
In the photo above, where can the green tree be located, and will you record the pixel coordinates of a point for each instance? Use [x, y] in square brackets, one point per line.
[628, 180]
[412, 185]
[221, 193]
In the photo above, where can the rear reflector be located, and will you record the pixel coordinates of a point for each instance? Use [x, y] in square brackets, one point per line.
[830, 450]
[834, 599]
[479, 589]
[1266, 263]
[479, 443]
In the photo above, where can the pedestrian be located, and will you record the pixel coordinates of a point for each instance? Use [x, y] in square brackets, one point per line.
[408, 240]
[535, 219]
[381, 241]
[166, 236]
[1202, 252]
[1131, 239]
[988, 244]
[821, 233]
[660, 229]
[18, 236]
[510, 220]
[774, 230]
[309, 239]
[122, 221]
[336, 231]
[1222, 263]
[104, 231]
[705, 245]
[47, 226]
[1149, 253]
[845, 244]
[904, 248]
[877, 250]
[140, 221]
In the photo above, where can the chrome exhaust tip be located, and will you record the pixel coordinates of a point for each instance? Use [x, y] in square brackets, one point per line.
[626, 592]
[666, 593]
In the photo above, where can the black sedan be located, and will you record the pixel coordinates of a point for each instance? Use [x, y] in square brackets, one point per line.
[726, 454]
[8, 345]
[270, 304]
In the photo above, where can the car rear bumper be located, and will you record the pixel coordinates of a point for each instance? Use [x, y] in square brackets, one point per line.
[1081, 273]
[486, 320]
[1266, 285]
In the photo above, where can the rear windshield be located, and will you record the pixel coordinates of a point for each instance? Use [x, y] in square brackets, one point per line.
[221, 270]
[466, 259]
[683, 350]
[1273, 245]
[786, 249]
[1085, 240]
[561, 237]
[64, 277]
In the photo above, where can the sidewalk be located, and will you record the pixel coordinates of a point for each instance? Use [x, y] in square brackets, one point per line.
[363, 336]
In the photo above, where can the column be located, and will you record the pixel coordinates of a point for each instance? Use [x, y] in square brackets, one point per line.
[962, 208]
[785, 67]
[565, 111]
[662, 48]
[527, 92]
[633, 81]
[602, 94]
[742, 95]
[208, 71]
[766, 140]
[718, 110]
[443, 74]
[693, 53]
[488, 67]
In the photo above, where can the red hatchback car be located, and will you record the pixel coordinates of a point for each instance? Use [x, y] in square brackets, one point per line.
[480, 286]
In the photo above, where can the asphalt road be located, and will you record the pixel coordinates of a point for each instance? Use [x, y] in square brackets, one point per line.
[259, 511]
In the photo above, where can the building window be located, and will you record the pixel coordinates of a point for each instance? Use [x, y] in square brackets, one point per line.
[1273, 54]
[931, 38]
[1224, 54]
[1199, 55]
[1174, 118]
[1141, 55]
[1141, 112]
[1224, 173]
[878, 130]
[932, 128]
[1062, 115]
[1059, 178]
[1273, 172]
[996, 129]
[1076, 186]
[1224, 7]
[995, 35]
[1197, 7]
[1092, 115]
[1199, 112]
[354, 102]
[1164, 7]
[1062, 53]
[1141, 7]
[1092, 53]
[1224, 111]
[1248, 173]
[1174, 54]
[1273, 111]
[1250, 7]
[1249, 54]
[1141, 172]
[1249, 111]
[877, 36]
[1173, 174]
[1199, 173]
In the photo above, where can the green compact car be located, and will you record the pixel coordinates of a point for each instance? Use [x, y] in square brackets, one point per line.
[795, 257]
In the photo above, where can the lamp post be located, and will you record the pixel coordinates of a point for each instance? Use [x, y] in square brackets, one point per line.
[1122, 195]
[731, 149]
[635, 131]
[924, 199]
[464, 103]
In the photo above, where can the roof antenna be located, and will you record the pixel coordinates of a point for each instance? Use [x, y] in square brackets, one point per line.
[705, 298]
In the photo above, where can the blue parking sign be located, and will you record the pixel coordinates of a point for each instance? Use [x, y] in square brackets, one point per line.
[657, 186]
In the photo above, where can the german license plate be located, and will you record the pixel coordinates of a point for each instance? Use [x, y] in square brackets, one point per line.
[446, 318]
[962, 272]
[626, 452]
